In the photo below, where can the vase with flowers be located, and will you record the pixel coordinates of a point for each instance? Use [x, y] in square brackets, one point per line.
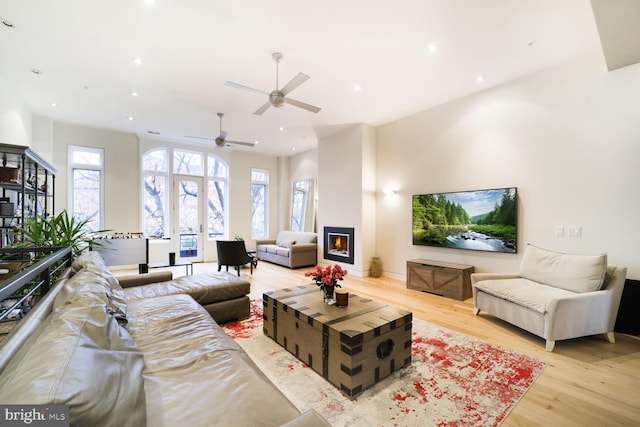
[327, 279]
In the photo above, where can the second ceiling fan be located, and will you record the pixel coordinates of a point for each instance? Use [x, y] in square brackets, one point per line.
[221, 140]
[278, 97]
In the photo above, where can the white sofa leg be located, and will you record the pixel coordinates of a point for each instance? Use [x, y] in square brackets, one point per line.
[550, 345]
[476, 310]
[611, 337]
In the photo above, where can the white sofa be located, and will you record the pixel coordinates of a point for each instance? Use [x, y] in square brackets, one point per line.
[291, 249]
[555, 296]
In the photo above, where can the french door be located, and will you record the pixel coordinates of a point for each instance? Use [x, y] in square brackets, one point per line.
[187, 225]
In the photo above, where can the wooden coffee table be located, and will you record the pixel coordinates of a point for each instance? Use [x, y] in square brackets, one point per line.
[352, 347]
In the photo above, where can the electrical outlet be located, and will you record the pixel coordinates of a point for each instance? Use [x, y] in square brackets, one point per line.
[574, 231]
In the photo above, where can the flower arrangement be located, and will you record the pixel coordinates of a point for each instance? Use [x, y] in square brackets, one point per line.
[327, 277]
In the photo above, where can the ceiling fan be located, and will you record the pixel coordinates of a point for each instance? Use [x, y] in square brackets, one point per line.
[278, 97]
[221, 140]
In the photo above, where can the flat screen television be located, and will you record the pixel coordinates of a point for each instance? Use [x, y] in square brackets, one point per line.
[481, 220]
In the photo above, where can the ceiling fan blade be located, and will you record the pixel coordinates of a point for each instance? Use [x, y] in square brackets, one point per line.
[243, 87]
[199, 137]
[246, 144]
[294, 83]
[299, 104]
[262, 109]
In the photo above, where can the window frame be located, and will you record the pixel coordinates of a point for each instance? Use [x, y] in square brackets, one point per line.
[72, 166]
[167, 189]
[265, 185]
[224, 180]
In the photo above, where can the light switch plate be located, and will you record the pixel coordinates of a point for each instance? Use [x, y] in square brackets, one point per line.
[574, 231]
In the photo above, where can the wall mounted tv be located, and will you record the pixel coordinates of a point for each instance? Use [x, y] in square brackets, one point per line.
[482, 220]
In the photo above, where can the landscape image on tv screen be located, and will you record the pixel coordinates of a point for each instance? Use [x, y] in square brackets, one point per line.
[482, 220]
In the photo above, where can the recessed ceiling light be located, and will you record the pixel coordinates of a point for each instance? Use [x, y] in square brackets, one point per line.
[134, 93]
[150, 2]
[293, 148]
[281, 128]
[257, 142]
[479, 78]
[137, 61]
[36, 71]
[357, 88]
[130, 118]
[53, 104]
[7, 23]
[432, 48]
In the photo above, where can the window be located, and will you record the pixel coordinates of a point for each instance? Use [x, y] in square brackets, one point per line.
[299, 204]
[155, 175]
[259, 208]
[86, 170]
[188, 162]
[216, 197]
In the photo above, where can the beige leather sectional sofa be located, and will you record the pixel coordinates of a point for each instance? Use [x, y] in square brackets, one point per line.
[291, 249]
[124, 357]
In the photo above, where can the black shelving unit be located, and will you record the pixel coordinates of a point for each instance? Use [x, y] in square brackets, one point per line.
[27, 183]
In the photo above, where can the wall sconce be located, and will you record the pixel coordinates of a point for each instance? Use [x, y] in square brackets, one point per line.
[388, 192]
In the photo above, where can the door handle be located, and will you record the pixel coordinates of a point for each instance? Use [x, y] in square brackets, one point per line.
[201, 229]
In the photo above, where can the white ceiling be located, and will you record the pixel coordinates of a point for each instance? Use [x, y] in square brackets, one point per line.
[189, 48]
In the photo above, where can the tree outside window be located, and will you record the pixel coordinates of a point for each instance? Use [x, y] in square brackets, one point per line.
[155, 165]
[154, 193]
[216, 197]
[86, 170]
[259, 198]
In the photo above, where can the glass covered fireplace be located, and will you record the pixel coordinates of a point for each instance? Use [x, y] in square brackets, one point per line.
[338, 244]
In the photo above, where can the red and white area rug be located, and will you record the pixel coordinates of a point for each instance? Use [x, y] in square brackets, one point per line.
[453, 380]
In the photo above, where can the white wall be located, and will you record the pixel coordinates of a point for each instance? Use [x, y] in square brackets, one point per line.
[367, 236]
[568, 138]
[240, 194]
[42, 133]
[303, 166]
[121, 172]
[15, 117]
[346, 177]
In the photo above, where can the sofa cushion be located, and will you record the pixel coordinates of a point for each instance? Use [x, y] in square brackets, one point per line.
[205, 288]
[87, 258]
[271, 249]
[195, 374]
[524, 292]
[283, 251]
[93, 285]
[299, 237]
[82, 358]
[576, 273]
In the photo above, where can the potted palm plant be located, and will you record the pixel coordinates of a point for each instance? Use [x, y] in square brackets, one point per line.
[60, 230]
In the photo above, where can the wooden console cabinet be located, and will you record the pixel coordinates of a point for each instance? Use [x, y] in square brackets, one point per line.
[440, 278]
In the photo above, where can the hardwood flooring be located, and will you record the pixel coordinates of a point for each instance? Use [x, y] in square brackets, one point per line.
[587, 381]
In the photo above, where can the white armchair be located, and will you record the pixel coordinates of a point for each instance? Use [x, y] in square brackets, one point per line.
[554, 296]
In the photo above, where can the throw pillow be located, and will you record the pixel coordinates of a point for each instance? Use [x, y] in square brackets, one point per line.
[286, 243]
[576, 273]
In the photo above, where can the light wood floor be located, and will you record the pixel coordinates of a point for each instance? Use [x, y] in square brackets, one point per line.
[587, 381]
